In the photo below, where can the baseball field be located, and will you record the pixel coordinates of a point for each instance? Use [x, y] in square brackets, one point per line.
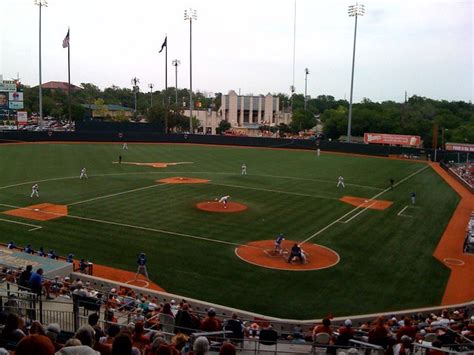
[369, 249]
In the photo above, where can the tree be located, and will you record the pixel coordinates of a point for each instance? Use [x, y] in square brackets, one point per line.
[100, 108]
[302, 120]
[223, 126]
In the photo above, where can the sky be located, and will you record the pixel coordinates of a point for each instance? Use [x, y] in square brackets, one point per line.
[424, 47]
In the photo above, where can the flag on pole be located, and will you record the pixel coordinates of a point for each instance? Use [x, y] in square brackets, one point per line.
[164, 44]
[66, 40]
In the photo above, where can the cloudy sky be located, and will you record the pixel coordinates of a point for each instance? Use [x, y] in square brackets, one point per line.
[423, 46]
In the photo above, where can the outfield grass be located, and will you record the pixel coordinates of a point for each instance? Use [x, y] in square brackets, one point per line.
[386, 260]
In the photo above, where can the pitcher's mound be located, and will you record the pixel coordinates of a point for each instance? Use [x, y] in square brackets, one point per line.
[41, 212]
[182, 180]
[214, 206]
[262, 253]
[366, 203]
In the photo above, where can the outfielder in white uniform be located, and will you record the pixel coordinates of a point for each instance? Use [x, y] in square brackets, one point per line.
[223, 200]
[34, 190]
[125, 146]
[340, 181]
[244, 169]
[83, 174]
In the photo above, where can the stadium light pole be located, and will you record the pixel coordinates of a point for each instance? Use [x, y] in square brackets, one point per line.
[354, 11]
[135, 81]
[190, 15]
[175, 63]
[306, 72]
[40, 4]
[151, 94]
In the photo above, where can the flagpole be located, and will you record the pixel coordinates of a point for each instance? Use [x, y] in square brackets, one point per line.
[166, 85]
[69, 73]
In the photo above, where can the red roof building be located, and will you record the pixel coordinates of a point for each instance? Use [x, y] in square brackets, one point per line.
[59, 85]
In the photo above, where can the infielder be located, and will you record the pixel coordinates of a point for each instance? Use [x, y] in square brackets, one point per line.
[244, 169]
[125, 146]
[83, 174]
[340, 181]
[141, 262]
[35, 190]
[318, 152]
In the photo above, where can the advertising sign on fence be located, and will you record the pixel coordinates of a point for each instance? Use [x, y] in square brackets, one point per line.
[22, 118]
[392, 139]
[460, 147]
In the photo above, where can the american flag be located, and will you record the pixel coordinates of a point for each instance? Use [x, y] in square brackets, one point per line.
[66, 40]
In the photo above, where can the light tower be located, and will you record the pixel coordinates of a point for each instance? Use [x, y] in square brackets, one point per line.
[190, 15]
[354, 11]
[135, 82]
[306, 72]
[151, 94]
[175, 63]
[40, 4]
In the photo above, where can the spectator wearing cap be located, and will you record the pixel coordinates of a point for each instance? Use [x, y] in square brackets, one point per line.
[35, 344]
[52, 332]
[345, 333]
[201, 346]
[211, 323]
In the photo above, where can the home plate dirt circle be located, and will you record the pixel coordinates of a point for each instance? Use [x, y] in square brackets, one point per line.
[214, 206]
[261, 253]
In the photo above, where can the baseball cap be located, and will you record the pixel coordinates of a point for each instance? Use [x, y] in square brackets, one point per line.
[348, 323]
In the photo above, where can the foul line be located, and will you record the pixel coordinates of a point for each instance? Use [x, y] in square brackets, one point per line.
[270, 190]
[401, 214]
[358, 213]
[23, 224]
[115, 194]
[356, 208]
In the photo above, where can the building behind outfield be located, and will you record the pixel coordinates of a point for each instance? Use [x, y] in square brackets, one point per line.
[244, 113]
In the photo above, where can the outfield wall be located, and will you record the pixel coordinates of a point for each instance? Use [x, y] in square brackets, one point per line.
[115, 135]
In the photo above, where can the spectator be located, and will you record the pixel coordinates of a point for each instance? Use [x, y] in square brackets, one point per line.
[122, 345]
[12, 331]
[11, 245]
[101, 347]
[93, 321]
[139, 339]
[345, 333]
[24, 280]
[201, 346]
[36, 282]
[227, 349]
[211, 323]
[36, 328]
[185, 321]
[406, 329]
[35, 344]
[112, 332]
[378, 334]
[167, 310]
[237, 327]
[70, 258]
[179, 341]
[52, 332]
[323, 328]
[86, 336]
